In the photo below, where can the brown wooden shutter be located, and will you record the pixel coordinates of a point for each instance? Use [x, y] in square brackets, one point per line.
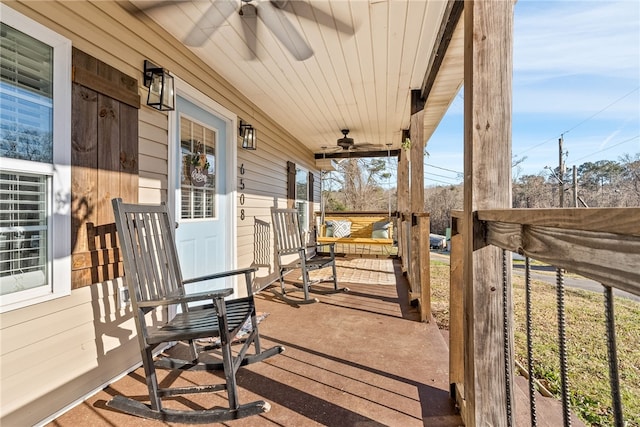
[311, 186]
[104, 165]
[291, 181]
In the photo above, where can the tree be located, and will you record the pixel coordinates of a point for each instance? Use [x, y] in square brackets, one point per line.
[516, 167]
[630, 179]
[533, 191]
[356, 185]
[439, 202]
[595, 175]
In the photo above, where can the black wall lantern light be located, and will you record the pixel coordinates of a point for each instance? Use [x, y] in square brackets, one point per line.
[161, 89]
[248, 135]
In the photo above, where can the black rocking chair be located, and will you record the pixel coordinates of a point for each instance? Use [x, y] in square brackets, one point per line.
[154, 279]
[292, 254]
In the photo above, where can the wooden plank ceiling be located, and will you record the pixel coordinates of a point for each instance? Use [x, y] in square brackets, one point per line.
[367, 56]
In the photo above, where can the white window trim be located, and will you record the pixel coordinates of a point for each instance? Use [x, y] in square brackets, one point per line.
[60, 193]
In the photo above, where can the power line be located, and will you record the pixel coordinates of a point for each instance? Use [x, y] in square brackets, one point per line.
[441, 176]
[605, 108]
[442, 182]
[582, 122]
[444, 169]
[553, 138]
[608, 148]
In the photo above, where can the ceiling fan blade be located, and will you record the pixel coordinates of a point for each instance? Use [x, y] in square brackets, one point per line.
[284, 31]
[249, 23]
[330, 150]
[144, 6]
[365, 146]
[280, 4]
[312, 13]
[215, 15]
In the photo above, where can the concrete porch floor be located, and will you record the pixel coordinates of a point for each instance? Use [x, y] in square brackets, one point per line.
[359, 358]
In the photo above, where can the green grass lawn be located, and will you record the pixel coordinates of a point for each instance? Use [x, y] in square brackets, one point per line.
[586, 344]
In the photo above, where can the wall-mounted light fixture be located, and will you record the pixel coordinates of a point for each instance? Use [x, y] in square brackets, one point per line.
[248, 135]
[161, 89]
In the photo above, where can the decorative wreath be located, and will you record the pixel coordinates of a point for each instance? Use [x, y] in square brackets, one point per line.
[199, 158]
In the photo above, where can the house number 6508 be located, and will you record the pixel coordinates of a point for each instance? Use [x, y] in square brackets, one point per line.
[242, 214]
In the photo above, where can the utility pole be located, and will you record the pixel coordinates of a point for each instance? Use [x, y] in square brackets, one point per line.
[575, 186]
[561, 170]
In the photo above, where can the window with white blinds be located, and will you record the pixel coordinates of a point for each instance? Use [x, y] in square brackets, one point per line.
[35, 162]
[26, 96]
[24, 220]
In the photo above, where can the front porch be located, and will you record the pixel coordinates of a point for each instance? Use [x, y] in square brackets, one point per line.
[358, 358]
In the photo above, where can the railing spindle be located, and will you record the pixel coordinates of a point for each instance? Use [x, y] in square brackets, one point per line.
[506, 334]
[613, 357]
[532, 387]
[562, 338]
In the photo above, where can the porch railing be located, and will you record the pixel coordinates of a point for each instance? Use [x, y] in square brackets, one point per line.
[414, 252]
[600, 244]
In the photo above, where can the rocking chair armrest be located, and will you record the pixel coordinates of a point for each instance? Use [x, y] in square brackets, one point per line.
[222, 274]
[332, 247]
[317, 245]
[197, 296]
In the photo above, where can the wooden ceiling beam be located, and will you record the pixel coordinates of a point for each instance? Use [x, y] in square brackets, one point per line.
[357, 154]
[448, 25]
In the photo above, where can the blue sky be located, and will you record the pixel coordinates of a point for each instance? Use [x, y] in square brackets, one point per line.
[576, 73]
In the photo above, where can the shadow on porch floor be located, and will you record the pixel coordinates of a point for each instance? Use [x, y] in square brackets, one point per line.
[354, 359]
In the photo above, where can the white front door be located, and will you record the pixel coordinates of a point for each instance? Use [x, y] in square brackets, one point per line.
[201, 193]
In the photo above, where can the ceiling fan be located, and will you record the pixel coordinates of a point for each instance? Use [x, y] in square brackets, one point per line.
[270, 12]
[346, 144]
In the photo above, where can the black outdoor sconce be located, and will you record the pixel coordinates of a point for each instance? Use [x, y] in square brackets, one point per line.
[161, 88]
[248, 135]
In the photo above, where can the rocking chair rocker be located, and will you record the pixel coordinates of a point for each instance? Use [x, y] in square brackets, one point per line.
[290, 244]
[154, 279]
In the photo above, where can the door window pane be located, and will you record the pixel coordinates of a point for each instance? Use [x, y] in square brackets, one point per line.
[198, 172]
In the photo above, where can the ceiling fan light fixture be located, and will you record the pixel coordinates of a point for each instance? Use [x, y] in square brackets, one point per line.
[248, 10]
[345, 142]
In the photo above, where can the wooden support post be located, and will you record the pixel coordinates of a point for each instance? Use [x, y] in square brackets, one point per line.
[488, 69]
[403, 205]
[424, 224]
[456, 313]
[416, 189]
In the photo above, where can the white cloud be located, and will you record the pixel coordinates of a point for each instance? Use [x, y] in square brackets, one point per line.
[608, 139]
[578, 102]
[563, 38]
